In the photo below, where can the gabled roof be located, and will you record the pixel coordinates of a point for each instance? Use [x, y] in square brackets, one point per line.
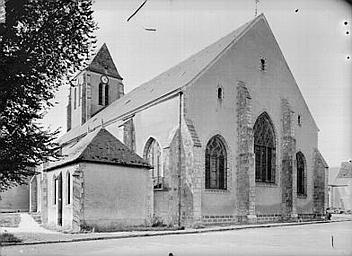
[99, 146]
[165, 85]
[103, 63]
[168, 83]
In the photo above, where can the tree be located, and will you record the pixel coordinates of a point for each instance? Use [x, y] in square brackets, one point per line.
[42, 43]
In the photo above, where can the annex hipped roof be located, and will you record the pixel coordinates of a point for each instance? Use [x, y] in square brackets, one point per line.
[163, 85]
[99, 146]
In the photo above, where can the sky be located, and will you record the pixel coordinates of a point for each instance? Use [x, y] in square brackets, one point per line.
[312, 36]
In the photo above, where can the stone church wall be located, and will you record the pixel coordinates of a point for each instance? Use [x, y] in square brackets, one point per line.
[266, 88]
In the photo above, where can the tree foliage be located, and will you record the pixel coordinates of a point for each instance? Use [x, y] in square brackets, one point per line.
[42, 43]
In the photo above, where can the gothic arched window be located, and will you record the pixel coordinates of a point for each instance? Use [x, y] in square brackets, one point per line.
[301, 175]
[75, 98]
[215, 164]
[264, 149]
[153, 156]
[106, 94]
[100, 94]
[68, 186]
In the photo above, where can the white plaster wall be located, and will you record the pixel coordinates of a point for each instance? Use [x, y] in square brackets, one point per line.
[159, 122]
[115, 130]
[116, 196]
[242, 63]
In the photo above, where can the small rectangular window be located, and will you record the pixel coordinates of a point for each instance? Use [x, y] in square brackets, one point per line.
[220, 93]
[262, 64]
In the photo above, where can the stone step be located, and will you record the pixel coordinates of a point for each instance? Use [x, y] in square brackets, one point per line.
[37, 217]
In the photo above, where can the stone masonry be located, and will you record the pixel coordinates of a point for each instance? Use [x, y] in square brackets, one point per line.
[288, 174]
[245, 158]
[320, 184]
[77, 200]
[129, 137]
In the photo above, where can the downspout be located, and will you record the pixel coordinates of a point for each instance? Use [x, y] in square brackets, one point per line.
[179, 159]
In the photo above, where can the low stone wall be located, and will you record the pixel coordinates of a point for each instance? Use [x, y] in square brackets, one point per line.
[310, 216]
[268, 218]
[220, 219]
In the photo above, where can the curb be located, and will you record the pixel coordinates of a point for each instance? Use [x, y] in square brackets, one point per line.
[177, 232]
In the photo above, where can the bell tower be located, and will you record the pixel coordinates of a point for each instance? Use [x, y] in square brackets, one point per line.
[93, 89]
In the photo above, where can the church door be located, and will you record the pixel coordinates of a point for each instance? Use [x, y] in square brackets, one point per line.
[59, 200]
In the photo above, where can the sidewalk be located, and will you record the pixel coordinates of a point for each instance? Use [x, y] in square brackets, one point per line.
[39, 235]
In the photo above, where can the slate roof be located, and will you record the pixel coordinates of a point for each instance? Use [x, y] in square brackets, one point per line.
[103, 63]
[166, 84]
[99, 146]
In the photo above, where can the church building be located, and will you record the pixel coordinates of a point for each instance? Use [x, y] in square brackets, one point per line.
[225, 137]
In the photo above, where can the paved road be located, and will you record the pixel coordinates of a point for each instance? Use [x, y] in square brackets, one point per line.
[295, 240]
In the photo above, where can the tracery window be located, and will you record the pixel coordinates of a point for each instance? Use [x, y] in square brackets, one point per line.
[301, 177]
[153, 156]
[215, 164]
[264, 149]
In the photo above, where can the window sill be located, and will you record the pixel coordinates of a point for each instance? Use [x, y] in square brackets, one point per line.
[216, 191]
[301, 196]
[265, 184]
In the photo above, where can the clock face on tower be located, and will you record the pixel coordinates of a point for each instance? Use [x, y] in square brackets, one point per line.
[104, 79]
[74, 82]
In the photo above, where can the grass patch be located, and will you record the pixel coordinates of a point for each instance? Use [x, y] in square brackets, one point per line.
[9, 220]
[9, 238]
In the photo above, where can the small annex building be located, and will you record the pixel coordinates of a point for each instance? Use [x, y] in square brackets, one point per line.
[340, 187]
[227, 132]
[99, 183]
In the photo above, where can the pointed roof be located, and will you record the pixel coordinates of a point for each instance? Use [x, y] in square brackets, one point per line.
[99, 146]
[103, 63]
